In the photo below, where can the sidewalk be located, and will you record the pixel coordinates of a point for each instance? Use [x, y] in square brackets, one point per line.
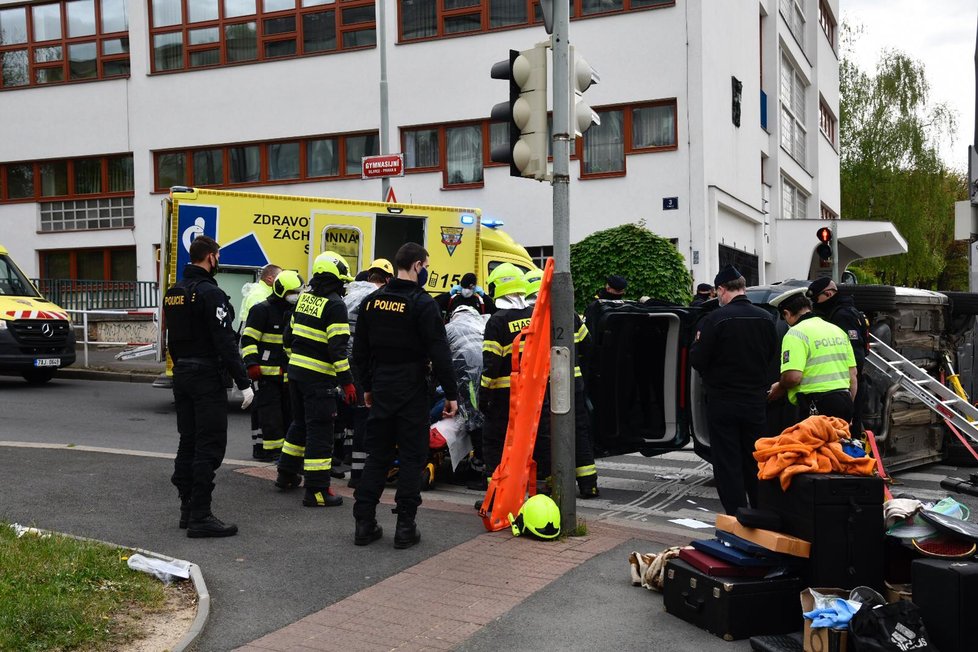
[102, 365]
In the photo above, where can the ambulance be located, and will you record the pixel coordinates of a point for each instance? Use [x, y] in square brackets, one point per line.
[36, 337]
[290, 231]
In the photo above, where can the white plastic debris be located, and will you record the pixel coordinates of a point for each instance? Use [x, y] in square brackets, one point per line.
[161, 569]
[21, 530]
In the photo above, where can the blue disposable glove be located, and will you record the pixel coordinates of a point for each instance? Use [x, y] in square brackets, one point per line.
[837, 616]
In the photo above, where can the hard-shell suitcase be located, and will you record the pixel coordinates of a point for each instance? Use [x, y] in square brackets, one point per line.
[946, 590]
[842, 517]
[732, 608]
[714, 567]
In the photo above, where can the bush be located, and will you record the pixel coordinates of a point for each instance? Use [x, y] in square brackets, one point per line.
[652, 265]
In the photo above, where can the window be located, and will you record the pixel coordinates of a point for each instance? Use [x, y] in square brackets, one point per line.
[109, 264]
[827, 22]
[287, 161]
[426, 19]
[826, 122]
[794, 201]
[632, 129]
[66, 178]
[189, 34]
[793, 133]
[87, 214]
[540, 254]
[457, 150]
[793, 12]
[59, 42]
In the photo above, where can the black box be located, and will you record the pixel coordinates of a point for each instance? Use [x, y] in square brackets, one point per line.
[732, 608]
[946, 590]
[842, 517]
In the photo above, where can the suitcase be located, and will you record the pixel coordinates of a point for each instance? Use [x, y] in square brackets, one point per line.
[714, 567]
[732, 608]
[730, 555]
[947, 592]
[842, 517]
[777, 643]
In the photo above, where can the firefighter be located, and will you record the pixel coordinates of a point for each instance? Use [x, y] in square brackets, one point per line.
[586, 471]
[316, 337]
[266, 360]
[818, 367]
[258, 292]
[399, 329]
[202, 342]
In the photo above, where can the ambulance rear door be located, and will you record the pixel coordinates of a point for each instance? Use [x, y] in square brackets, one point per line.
[349, 233]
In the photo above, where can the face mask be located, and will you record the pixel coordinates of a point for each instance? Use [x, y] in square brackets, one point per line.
[467, 292]
[292, 298]
[422, 276]
[216, 266]
[604, 294]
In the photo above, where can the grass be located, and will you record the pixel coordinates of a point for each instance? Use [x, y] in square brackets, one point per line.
[57, 593]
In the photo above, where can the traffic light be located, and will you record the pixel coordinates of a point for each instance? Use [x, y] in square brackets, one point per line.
[582, 77]
[525, 113]
[824, 250]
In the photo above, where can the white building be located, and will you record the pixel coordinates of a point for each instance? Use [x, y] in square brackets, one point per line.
[719, 120]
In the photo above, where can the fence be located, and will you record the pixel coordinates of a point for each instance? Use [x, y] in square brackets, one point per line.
[73, 294]
[80, 322]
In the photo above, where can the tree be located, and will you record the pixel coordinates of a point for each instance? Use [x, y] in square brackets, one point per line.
[652, 265]
[891, 170]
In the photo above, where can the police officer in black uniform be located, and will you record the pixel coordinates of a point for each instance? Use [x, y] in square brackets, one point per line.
[734, 349]
[399, 329]
[842, 311]
[202, 344]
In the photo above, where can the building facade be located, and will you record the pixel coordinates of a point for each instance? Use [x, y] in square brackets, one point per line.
[718, 119]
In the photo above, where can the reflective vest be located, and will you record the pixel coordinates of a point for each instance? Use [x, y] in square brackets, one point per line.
[821, 352]
[261, 340]
[317, 337]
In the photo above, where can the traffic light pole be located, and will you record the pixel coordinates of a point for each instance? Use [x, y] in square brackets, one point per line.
[835, 251]
[562, 354]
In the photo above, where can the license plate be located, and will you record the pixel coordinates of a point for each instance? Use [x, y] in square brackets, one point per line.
[47, 362]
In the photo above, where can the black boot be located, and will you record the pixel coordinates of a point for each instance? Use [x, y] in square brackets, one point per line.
[367, 532]
[588, 486]
[321, 497]
[406, 532]
[287, 480]
[205, 524]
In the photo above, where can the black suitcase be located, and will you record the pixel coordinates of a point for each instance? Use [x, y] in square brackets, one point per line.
[946, 590]
[842, 517]
[732, 607]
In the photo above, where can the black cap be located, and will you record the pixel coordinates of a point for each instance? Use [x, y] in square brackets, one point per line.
[818, 287]
[362, 276]
[726, 274]
[468, 281]
[616, 282]
[703, 288]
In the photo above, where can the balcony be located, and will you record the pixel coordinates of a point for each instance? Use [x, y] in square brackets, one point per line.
[72, 294]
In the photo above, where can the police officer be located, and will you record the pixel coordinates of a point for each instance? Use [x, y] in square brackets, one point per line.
[266, 361]
[259, 292]
[398, 331]
[733, 350]
[704, 292]
[316, 339]
[818, 367]
[841, 311]
[202, 343]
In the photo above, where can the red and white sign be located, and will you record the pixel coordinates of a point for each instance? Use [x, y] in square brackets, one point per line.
[384, 165]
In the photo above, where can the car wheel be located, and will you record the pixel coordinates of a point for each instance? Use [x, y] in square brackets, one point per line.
[871, 298]
[962, 303]
[38, 376]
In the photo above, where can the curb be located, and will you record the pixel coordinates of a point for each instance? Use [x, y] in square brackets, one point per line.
[113, 376]
[203, 595]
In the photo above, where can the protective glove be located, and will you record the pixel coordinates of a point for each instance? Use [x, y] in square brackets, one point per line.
[254, 372]
[247, 396]
[349, 394]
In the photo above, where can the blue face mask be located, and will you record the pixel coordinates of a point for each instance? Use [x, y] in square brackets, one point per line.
[422, 276]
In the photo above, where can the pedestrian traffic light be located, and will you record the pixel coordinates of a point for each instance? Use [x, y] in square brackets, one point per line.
[582, 77]
[525, 113]
[824, 250]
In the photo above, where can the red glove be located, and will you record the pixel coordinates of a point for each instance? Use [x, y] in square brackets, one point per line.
[254, 372]
[349, 394]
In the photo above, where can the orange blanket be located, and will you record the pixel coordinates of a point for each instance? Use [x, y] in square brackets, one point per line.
[811, 446]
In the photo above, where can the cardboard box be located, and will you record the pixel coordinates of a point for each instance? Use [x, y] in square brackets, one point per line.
[896, 592]
[823, 639]
[774, 541]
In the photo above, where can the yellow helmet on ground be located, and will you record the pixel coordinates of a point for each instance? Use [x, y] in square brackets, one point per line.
[539, 516]
[330, 262]
[533, 279]
[287, 281]
[506, 279]
[383, 265]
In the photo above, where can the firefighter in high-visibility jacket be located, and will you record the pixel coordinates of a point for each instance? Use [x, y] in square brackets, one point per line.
[508, 290]
[586, 471]
[266, 361]
[316, 339]
[260, 291]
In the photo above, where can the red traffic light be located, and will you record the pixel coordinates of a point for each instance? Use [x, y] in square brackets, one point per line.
[824, 234]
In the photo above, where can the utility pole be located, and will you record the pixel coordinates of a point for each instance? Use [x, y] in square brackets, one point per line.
[384, 109]
[835, 250]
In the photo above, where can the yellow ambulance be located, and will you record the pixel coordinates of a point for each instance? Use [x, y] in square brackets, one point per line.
[36, 337]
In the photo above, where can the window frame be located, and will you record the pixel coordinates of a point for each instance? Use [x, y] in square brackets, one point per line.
[107, 252]
[259, 18]
[796, 194]
[264, 176]
[70, 193]
[828, 23]
[827, 123]
[796, 9]
[628, 110]
[786, 105]
[442, 130]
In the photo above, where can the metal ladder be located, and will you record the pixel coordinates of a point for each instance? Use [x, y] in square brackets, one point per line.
[931, 392]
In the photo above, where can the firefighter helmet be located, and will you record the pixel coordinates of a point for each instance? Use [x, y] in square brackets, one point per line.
[539, 516]
[287, 281]
[330, 262]
[533, 279]
[383, 265]
[506, 279]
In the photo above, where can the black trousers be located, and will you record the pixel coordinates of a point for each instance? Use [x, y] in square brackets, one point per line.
[308, 445]
[397, 427]
[829, 404]
[274, 411]
[494, 429]
[859, 406]
[735, 422]
[202, 420]
[583, 447]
